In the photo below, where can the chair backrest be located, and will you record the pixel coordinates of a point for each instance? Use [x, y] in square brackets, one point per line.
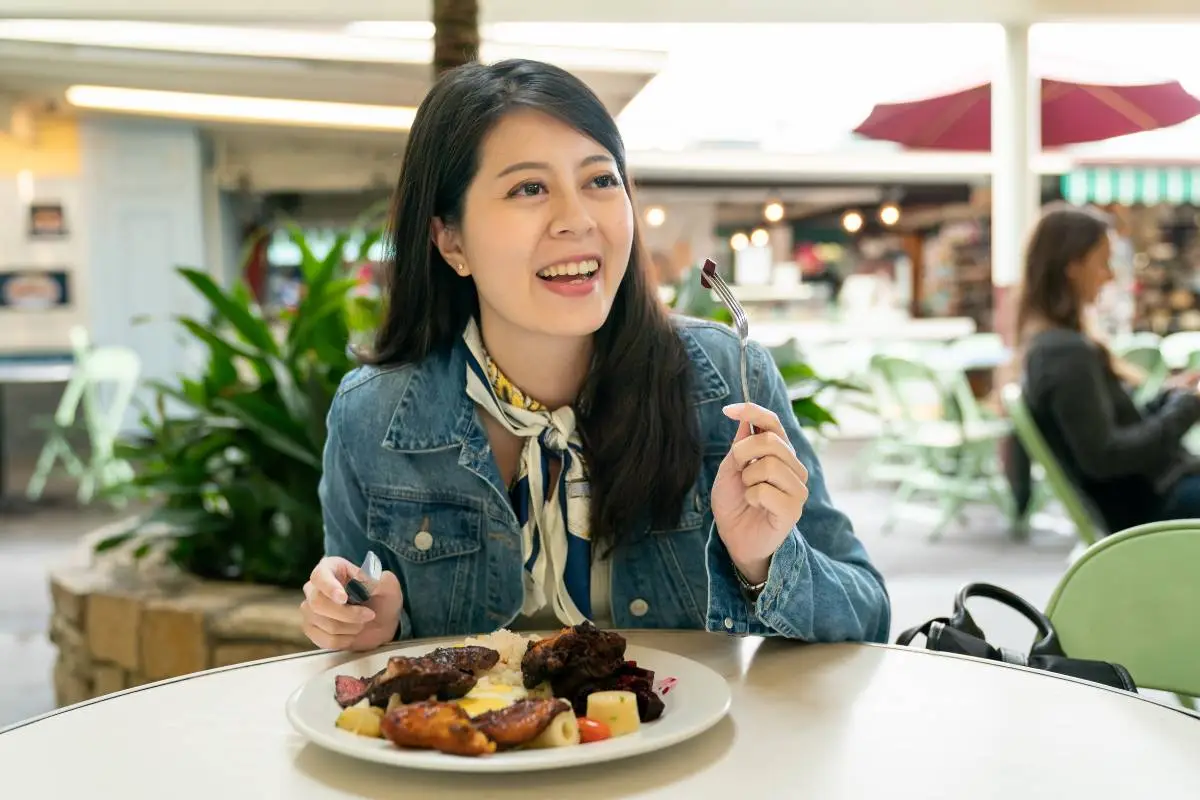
[114, 370]
[1132, 600]
[1135, 341]
[978, 350]
[1147, 359]
[912, 386]
[1178, 348]
[1078, 508]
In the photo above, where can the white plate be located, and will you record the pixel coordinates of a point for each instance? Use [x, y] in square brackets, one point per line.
[699, 699]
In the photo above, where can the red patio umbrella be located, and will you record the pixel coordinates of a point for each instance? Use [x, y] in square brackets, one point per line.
[1072, 112]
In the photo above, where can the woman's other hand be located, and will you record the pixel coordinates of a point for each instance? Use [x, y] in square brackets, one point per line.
[759, 492]
[1188, 380]
[330, 622]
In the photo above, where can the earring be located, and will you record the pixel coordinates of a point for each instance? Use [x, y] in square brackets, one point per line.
[461, 267]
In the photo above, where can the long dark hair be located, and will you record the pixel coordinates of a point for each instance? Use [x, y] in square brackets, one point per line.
[1064, 235]
[638, 429]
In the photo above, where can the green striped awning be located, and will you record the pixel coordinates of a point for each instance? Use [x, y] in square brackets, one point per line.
[1132, 185]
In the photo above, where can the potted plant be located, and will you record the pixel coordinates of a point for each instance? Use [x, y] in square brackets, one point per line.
[231, 458]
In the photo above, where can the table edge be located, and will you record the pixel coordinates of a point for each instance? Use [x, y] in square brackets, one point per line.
[352, 655]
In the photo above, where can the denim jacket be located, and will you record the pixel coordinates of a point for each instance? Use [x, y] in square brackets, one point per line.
[408, 472]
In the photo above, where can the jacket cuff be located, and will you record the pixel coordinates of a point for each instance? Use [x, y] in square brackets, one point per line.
[404, 629]
[731, 611]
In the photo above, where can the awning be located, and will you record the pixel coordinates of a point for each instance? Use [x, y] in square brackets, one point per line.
[1132, 185]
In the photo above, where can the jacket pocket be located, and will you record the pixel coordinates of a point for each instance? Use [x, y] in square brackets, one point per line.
[437, 540]
[424, 526]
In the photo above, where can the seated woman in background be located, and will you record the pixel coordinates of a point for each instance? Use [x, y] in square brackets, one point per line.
[534, 440]
[1130, 463]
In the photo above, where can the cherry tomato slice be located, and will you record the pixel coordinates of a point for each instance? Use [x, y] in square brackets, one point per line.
[592, 730]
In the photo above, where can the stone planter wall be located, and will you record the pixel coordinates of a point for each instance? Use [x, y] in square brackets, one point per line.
[115, 634]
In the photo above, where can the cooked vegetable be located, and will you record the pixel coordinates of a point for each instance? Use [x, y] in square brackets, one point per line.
[592, 730]
[563, 731]
[616, 709]
[362, 721]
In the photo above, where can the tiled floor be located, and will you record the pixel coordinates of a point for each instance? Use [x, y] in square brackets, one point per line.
[922, 576]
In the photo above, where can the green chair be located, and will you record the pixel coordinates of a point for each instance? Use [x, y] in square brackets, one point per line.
[1077, 507]
[952, 455]
[1144, 351]
[111, 371]
[1181, 350]
[1132, 599]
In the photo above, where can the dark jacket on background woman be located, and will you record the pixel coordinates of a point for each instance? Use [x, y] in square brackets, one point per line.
[1125, 460]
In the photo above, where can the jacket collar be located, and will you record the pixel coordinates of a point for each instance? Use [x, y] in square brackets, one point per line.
[434, 412]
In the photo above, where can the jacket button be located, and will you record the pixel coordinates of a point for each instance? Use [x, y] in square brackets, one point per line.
[728, 623]
[639, 607]
[423, 540]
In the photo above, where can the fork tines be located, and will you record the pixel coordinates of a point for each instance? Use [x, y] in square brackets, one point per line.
[710, 279]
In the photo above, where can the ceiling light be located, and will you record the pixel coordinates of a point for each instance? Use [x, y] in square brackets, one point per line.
[889, 214]
[852, 221]
[655, 216]
[241, 109]
[760, 237]
[738, 241]
[773, 212]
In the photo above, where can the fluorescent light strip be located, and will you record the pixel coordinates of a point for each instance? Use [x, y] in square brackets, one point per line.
[414, 44]
[241, 109]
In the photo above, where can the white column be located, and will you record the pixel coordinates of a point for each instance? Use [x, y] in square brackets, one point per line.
[1016, 140]
[143, 191]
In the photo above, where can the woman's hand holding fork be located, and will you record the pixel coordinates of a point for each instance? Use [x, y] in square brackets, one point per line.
[759, 492]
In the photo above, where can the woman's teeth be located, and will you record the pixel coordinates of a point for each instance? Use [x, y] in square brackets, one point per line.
[580, 269]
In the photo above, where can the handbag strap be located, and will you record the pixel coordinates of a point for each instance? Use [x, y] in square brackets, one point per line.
[1047, 643]
[907, 636]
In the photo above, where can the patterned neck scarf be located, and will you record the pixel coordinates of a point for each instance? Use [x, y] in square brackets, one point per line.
[556, 544]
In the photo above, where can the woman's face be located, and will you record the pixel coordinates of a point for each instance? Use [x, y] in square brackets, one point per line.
[1089, 274]
[547, 229]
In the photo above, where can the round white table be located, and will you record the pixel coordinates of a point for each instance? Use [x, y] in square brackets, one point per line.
[825, 721]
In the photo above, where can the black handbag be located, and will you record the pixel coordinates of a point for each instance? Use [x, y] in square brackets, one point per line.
[959, 634]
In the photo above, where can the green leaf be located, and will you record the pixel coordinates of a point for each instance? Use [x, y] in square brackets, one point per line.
[112, 542]
[810, 414]
[294, 400]
[276, 429]
[239, 314]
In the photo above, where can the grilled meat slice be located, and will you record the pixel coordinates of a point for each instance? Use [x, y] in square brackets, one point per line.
[472, 658]
[446, 673]
[521, 722]
[348, 690]
[430, 725]
[573, 656]
[418, 679]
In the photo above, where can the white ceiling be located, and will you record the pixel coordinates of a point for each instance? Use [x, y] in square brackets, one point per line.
[721, 11]
[42, 59]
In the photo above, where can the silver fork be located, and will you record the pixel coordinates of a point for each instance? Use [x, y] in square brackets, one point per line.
[709, 279]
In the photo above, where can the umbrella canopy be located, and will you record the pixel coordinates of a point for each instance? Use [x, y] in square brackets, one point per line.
[1073, 110]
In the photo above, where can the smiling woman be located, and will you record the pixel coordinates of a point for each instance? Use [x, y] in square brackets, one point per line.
[533, 441]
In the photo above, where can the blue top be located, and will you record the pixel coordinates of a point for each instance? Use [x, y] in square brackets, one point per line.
[408, 472]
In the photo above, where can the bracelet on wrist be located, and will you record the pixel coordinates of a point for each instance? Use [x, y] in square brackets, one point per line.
[751, 589]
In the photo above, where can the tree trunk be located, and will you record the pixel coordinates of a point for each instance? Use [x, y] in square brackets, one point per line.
[455, 34]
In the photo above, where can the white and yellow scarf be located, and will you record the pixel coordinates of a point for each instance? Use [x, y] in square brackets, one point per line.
[556, 544]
